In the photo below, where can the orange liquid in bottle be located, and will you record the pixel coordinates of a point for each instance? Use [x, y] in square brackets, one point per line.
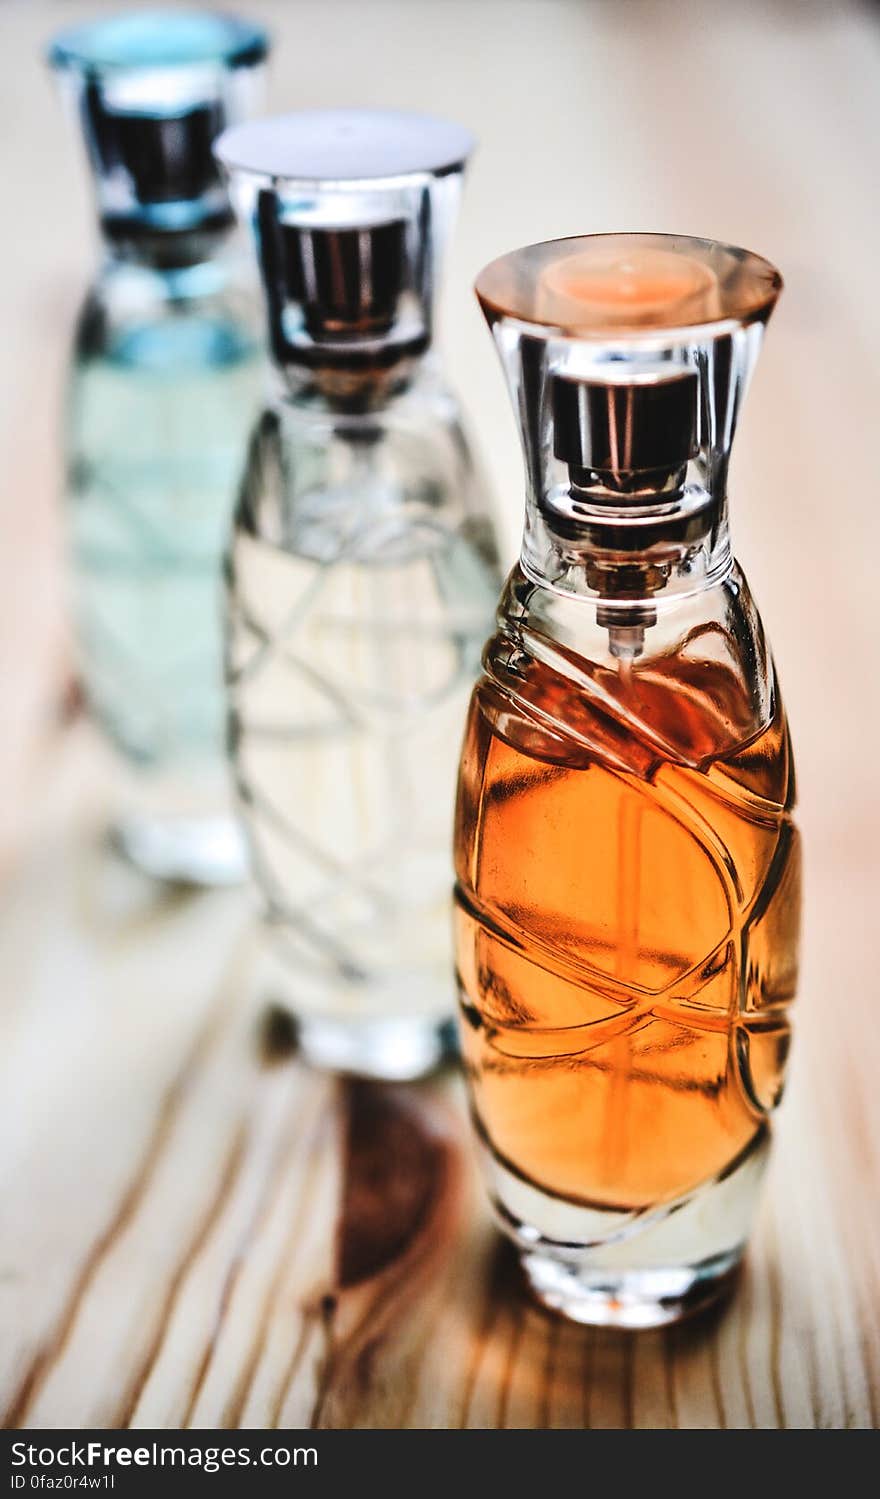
[628, 883]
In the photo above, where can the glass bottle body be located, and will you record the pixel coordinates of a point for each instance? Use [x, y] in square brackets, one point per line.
[165, 381]
[362, 579]
[627, 914]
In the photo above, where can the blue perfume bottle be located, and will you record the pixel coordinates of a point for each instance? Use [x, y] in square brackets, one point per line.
[165, 380]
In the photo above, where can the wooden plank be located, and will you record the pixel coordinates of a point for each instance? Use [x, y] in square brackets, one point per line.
[200, 1232]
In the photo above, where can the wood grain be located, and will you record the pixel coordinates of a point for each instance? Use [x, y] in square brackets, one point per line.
[195, 1230]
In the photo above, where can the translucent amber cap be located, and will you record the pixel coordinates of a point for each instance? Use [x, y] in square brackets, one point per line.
[628, 357]
[603, 286]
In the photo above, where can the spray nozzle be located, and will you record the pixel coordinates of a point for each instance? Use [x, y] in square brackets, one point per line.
[626, 441]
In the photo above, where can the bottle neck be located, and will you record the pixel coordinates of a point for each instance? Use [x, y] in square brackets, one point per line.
[131, 242]
[358, 388]
[628, 554]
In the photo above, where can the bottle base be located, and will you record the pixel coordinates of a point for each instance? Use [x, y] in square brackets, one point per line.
[394, 1050]
[638, 1268]
[629, 1299]
[186, 850]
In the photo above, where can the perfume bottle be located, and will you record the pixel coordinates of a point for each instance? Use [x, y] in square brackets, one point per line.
[628, 877]
[362, 581]
[165, 382]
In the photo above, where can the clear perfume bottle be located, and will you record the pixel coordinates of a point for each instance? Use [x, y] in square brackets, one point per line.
[165, 382]
[628, 872]
[362, 581]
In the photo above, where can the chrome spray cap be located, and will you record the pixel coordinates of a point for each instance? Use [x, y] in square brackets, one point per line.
[350, 211]
[635, 434]
[152, 90]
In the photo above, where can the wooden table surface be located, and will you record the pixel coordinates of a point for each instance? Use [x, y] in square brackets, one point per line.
[195, 1230]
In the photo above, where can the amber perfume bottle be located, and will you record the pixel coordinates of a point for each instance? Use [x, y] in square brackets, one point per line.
[627, 866]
